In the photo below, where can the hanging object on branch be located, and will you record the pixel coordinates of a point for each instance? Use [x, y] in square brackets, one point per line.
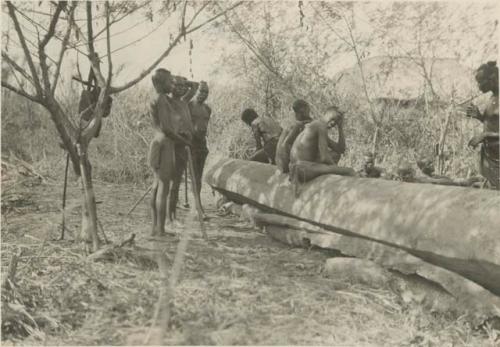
[191, 46]
[301, 13]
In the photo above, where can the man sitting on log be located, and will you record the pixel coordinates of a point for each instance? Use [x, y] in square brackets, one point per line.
[266, 132]
[314, 154]
[289, 134]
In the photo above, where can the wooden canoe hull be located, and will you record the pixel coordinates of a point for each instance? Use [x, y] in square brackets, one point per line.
[452, 227]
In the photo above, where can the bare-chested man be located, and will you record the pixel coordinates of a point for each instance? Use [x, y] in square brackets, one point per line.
[487, 79]
[161, 151]
[266, 132]
[314, 154]
[182, 92]
[200, 116]
[289, 134]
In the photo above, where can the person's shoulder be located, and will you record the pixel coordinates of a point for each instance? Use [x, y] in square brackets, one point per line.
[208, 108]
[316, 123]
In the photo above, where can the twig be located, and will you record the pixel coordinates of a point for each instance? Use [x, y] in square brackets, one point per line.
[139, 201]
[102, 230]
[63, 226]
[11, 272]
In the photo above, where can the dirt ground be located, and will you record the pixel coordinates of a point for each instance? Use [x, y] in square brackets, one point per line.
[239, 288]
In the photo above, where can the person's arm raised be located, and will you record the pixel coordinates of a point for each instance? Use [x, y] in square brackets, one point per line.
[193, 87]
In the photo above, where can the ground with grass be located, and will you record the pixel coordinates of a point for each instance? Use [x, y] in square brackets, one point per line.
[241, 287]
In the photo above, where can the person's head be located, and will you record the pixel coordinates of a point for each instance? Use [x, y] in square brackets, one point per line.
[369, 161]
[333, 116]
[487, 77]
[302, 110]
[180, 86]
[248, 116]
[202, 92]
[162, 81]
[406, 172]
[426, 165]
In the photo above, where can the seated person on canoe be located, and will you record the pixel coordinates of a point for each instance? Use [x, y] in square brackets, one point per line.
[314, 154]
[426, 166]
[369, 170]
[266, 132]
[406, 173]
[289, 134]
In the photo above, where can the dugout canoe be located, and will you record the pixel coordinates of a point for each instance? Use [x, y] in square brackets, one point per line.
[455, 228]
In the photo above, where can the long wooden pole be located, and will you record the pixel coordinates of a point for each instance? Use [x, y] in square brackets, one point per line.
[63, 221]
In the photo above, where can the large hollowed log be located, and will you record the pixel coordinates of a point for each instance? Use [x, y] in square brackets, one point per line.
[452, 227]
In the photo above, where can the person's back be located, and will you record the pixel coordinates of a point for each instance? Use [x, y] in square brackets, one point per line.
[268, 128]
[266, 132]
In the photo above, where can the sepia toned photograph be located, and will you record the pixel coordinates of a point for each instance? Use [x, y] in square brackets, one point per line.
[280, 173]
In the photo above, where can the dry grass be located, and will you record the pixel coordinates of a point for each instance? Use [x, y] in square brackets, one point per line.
[239, 288]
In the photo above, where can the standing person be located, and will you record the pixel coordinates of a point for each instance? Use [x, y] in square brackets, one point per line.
[266, 132]
[487, 80]
[161, 156]
[200, 116]
[181, 93]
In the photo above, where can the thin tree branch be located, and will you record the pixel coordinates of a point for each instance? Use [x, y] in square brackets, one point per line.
[215, 17]
[114, 90]
[116, 20]
[93, 58]
[90, 31]
[183, 19]
[108, 47]
[52, 25]
[63, 47]
[21, 92]
[16, 67]
[197, 13]
[38, 25]
[143, 74]
[43, 43]
[36, 80]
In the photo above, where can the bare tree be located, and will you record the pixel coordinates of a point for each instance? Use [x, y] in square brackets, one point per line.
[38, 81]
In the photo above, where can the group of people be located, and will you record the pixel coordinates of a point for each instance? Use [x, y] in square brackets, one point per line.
[180, 120]
[305, 151]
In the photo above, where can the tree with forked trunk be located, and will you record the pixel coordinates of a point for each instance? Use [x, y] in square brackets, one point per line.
[37, 78]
